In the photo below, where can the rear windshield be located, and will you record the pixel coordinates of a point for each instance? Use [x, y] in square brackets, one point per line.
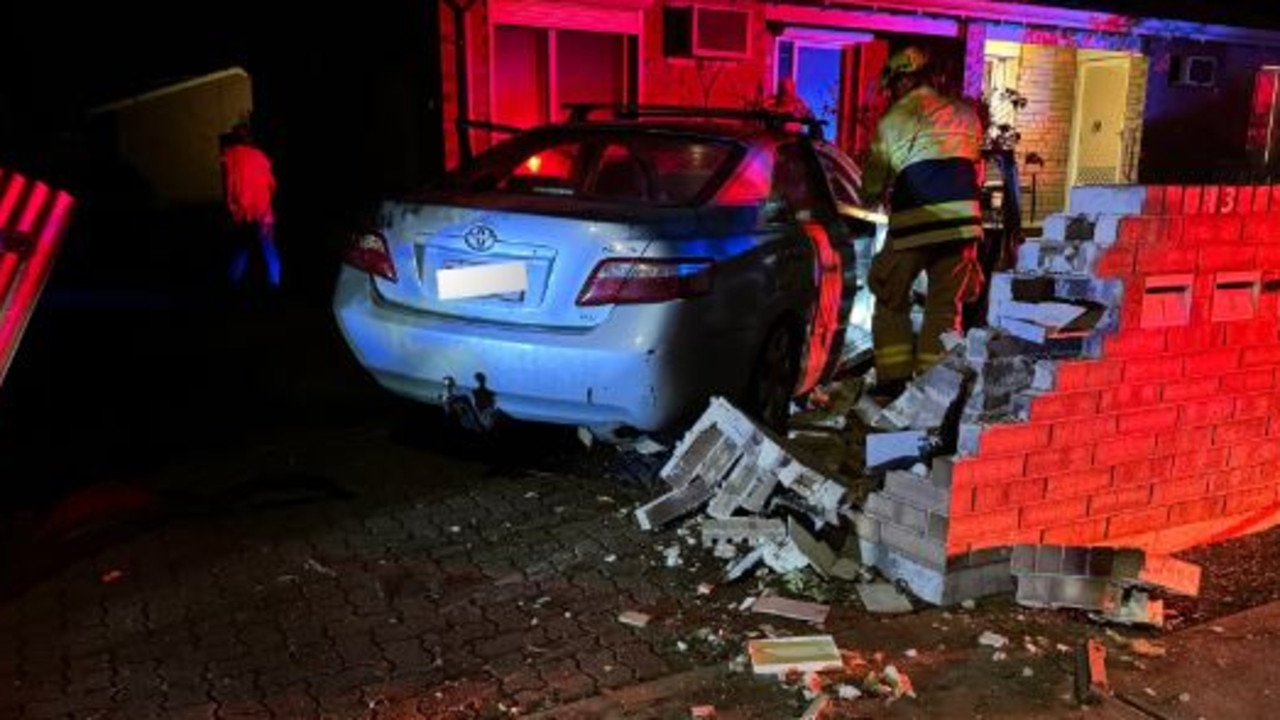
[647, 168]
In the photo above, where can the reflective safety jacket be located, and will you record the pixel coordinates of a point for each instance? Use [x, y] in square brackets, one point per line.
[249, 183]
[929, 146]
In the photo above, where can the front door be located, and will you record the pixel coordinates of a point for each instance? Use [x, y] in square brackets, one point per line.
[1099, 129]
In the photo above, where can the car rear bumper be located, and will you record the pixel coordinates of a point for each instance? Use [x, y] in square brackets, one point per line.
[619, 373]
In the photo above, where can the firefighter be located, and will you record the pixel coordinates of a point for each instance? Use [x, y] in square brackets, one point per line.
[924, 158]
[249, 189]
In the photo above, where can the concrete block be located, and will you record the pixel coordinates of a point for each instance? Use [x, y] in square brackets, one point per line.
[884, 449]
[789, 608]
[1059, 591]
[1054, 227]
[1106, 231]
[1107, 200]
[975, 347]
[821, 496]
[820, 555]
[750, 530]
[917, 491]
[690, 453]
[925, 403]
[977, 582]
[1023, 560]
[967, 440]
[865, 527]
[743, 483]
[1029, 254]
[883, 598]
[929, 553]
[941, 470]
[939, 525]
[1022, 329]
[1044, 376]
[675, 504]
[928, 584]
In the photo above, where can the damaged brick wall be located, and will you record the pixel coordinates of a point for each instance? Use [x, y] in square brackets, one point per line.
[1165, 432]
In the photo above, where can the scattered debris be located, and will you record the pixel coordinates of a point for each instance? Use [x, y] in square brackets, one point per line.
[991, 639]
[1184, 697]
[1091, 672]
[671, 556]
[788, 608]
[816, 708]
[844, 691]
[1131, 607]
[702, 712]
[1028, 672]
[1147, 648]
[705, 588]
[775, 656]
[586, 437]
[112, 576]
[646, 446]
[899, 682]
[883, 598]
[634, 618]
[317, 567]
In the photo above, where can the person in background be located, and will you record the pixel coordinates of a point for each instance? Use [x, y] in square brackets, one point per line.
[924, 157]
[249, 189]
[788, 101]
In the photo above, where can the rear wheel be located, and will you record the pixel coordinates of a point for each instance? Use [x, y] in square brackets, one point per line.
[773, 378]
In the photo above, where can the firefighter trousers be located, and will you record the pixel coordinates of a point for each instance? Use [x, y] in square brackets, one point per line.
[893, 273]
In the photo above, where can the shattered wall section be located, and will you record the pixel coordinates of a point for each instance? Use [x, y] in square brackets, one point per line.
[1163, 431]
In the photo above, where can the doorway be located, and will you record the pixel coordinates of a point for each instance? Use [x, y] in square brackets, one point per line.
[1104, 130]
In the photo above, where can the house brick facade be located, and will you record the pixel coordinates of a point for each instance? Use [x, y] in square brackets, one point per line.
[1170, 436]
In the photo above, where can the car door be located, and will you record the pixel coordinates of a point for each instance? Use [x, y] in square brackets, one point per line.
[811, 208]
[867, 232]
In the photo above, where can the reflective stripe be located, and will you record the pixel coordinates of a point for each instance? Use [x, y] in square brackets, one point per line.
[924, 361]
[955, 210]
[962, 232]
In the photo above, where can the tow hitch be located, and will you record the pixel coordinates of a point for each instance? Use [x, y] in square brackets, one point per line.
[476, 411]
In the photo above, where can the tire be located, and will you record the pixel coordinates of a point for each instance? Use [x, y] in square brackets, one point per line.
[773, 378]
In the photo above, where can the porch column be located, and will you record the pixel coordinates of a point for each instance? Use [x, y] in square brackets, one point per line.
[975, 43]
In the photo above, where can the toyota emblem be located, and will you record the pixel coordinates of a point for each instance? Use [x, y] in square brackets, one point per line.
[480, 238]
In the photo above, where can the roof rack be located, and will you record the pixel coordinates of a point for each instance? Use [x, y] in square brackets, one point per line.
[581, 112]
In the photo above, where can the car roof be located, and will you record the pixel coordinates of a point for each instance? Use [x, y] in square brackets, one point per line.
[744, 131]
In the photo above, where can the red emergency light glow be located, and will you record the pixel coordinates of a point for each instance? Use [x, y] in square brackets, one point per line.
[28, 248]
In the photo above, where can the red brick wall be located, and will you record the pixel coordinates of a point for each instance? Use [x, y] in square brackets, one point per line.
[1169, 439]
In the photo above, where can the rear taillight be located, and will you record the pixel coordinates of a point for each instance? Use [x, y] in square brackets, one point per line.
[368, 252]
[616, 282]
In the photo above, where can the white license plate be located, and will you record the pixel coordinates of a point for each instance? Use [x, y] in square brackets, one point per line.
[506, 281]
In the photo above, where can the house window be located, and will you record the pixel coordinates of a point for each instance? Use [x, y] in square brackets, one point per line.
[1263, 140]
[537, 70]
